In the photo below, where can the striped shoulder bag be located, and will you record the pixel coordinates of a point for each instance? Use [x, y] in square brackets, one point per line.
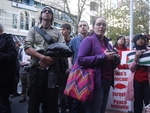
[80, 83]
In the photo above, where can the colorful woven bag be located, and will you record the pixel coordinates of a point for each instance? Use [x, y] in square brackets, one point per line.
[80, 83]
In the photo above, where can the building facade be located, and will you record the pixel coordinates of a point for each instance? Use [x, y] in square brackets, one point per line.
[18, 16]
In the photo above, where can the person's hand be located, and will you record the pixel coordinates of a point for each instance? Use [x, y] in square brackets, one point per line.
[138, 54]
[29, 59]
[46, 61]
[23, 63]
[109, 54]
[116, 71]
[68, 71]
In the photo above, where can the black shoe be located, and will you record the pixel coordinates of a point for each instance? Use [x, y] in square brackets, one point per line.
[22, 100]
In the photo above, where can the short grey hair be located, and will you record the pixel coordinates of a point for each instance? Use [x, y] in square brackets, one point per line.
[1, 27]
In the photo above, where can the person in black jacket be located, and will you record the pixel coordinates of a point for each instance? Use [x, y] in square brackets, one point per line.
[8, 56]
[15, 94]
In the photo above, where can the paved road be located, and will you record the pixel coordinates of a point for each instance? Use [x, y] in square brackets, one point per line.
[17, 107]
[22, 107]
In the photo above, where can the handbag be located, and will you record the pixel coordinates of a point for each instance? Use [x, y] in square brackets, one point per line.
[80, 83]
[59, 50]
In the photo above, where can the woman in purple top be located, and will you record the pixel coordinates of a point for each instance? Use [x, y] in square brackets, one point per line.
[100, 56]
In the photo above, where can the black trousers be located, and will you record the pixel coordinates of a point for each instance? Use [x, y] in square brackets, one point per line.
[141, 93]
[4, 101]
[78, 106]
[40, 94]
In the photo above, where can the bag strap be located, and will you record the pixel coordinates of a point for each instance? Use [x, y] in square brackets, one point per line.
[44, 34]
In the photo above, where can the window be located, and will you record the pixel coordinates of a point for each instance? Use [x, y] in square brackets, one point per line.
[56, 13]
[24, 20]
[22, 1]
[63, 16]
[37, 4]
[57, 25]
[26, 2]
[92, 18]
[33, 22]
[93, 6]
[69, 19]
[14, 21]
[21, 21]
[17, 1]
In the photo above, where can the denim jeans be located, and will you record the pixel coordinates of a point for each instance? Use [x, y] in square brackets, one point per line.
[100, 97]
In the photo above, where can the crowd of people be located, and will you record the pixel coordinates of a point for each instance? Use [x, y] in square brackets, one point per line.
[43, 78]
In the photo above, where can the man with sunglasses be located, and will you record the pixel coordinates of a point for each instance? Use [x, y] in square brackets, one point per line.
[43, 82]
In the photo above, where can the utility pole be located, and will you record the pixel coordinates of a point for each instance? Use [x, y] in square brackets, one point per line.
[131, 23]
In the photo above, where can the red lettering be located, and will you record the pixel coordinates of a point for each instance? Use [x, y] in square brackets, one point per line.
[119, 101]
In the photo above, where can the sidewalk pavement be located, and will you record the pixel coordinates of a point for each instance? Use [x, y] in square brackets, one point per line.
[112, 111]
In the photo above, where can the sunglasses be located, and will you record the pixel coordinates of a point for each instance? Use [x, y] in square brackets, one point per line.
[44, 11]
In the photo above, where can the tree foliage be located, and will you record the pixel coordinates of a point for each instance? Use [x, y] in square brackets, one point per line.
[80, 8]
[117, 15]
[65, 6]
[119, 18]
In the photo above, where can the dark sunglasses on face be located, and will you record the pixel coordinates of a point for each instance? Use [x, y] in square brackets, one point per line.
[44, 11]
[101, 24]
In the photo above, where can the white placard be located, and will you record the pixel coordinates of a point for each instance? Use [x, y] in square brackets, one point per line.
[124, 57]
[116, 99]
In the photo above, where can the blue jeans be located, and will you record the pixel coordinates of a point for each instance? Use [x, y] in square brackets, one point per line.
[100, 97]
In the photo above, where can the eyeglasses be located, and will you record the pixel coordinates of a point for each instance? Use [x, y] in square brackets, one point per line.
[101, 24]
[44, 11]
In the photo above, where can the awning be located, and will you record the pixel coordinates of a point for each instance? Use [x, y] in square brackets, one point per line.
[18, 38]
